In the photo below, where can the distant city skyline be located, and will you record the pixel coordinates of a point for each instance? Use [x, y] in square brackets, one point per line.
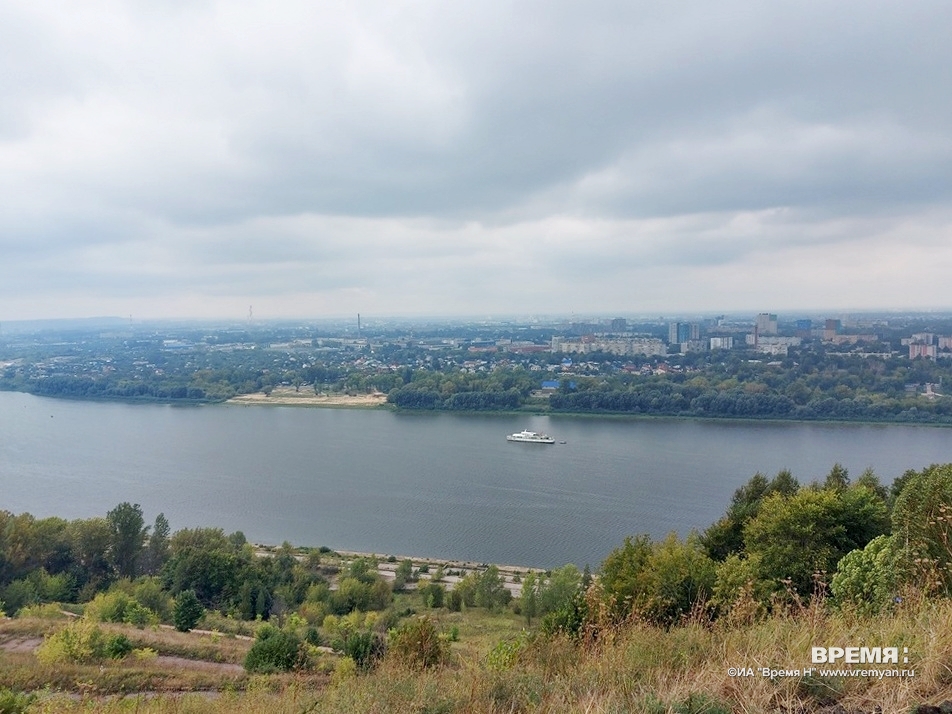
[185, 161]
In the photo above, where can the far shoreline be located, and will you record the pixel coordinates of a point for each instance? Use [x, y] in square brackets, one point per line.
[379, 402]
[289, 397]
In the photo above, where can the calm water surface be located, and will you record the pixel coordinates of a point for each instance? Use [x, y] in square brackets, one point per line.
[440, 485]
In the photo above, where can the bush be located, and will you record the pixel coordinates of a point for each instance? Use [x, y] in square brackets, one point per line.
[79, 642]
[418, 645]
[363, 647]
[187, 611]
[118, 647]
[275, 650]
[15, 702]
[145, 654]
[49, 611]
[432, 594]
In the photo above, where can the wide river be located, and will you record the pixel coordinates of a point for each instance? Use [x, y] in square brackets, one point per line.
[438, 485]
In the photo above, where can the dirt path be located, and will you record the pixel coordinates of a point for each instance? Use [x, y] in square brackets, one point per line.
[20, 645]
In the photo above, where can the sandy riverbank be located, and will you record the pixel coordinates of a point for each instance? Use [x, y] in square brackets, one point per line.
[288, 396]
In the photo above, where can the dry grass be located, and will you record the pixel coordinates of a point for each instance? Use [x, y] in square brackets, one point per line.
[634, 669]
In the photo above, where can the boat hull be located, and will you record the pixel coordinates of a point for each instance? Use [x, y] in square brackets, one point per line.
[531, 437]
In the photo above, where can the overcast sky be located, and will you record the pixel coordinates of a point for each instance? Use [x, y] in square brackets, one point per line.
[190, 159]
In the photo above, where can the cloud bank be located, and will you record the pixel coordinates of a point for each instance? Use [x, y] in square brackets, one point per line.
[315, 159]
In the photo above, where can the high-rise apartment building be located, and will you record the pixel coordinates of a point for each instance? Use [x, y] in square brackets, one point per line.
[679, 332]
[766, 324]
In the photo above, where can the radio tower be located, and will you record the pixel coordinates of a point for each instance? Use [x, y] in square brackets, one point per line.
[251, 315]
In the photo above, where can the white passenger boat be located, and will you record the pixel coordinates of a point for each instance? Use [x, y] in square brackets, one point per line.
[533, 437]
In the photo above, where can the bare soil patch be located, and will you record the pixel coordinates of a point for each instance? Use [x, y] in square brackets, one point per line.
[287, 396]
[20, 645]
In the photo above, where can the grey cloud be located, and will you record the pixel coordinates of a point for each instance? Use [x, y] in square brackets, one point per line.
[387, 148]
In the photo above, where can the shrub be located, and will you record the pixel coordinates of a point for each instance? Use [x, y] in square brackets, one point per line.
[15, 702]
[506, 653]
[119, 606]
[145, 654]
[418, 645]
[80, 641]
[274, 650]
[118, 647]
[432, 594]
[49, 611]
[363, 647]
[187, 611]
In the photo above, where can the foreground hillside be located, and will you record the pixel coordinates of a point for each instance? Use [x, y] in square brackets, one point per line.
[828, 597]
[630, 668]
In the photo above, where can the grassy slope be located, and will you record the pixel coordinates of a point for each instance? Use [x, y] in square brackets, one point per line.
[633, 669]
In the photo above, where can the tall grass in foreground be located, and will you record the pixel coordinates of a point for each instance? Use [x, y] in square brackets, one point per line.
[636, 668]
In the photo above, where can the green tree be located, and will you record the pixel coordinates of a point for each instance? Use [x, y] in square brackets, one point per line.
[838, 479]
[90, 541]
[529, 599]
[157, 548]
[680, 577]
[623, 577]
[403, 574]
[490, 590]
[867, 581]
[187, 611]
[798, 537]
[922, 528]
[128, 537]
[559, 589]
[432, 594]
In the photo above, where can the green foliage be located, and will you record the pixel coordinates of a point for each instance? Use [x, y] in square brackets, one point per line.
[490, 592]
[726, 536]
[359, 594]
[505, 653]
[117, 647]
[838, 479]
[738, 590]
[418, 645]
[529, 599]
[403, 574]
[624, 579]
[119, 606]
[79, 642]
[867, 580]
[800, 536]
[275, 650]
[157, 548]
[128, 537]
[680, 578]
[15, 702]
[187, 611]
[20, 594]
[148, 592]
[559, 589]
[568, 619]
[362, 646]
[432, 594]
[660, 582]
[922, 523]
[464, 594]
